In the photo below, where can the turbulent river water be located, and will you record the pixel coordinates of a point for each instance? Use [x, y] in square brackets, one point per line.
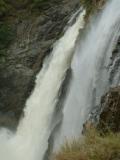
[89, 81]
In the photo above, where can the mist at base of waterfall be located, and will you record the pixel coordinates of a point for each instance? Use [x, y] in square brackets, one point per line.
[89, 81]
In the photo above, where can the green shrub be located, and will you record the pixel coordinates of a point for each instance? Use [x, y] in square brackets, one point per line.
[3, 7]
[39, 3]
[92, 5]
[6, 36]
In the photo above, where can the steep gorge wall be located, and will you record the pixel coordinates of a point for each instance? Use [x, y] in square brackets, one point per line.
[106, 117]
[110, 102]
[35, 33]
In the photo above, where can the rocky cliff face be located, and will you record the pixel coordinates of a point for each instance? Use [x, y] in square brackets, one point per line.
[110, 116]
[35, 34]
[107, 115]
[110, 102]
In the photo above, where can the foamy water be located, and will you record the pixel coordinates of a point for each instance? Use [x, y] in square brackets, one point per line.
[30, 142]
[89, 72]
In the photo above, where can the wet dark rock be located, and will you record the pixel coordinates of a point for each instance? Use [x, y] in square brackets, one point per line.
[35, 35]
[106, 116]
[114, 66]
[110, 116]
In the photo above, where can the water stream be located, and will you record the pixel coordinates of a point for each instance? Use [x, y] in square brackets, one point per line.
[30, 142]
[90, 79]
[90, 74]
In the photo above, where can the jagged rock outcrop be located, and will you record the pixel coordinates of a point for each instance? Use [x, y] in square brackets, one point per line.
[35, 34]
[114, 67]
[110, 102]
[109, 119]
[110, 116]
[106, 116]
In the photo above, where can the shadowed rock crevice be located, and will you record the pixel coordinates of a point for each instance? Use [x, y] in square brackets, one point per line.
[110, 116]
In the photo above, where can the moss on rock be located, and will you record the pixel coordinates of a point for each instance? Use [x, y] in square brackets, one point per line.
[6, 36]
[92, 5]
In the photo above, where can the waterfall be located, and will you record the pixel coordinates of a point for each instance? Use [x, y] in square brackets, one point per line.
[30, 142]
[89, 57]
[90, 73]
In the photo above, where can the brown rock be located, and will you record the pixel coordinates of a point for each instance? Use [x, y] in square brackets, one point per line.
[110, 116]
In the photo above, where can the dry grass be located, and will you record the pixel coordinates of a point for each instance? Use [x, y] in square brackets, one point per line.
[94, 147]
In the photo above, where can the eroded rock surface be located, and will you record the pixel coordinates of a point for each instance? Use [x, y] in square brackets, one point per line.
[106, 116]
[35, 34]
[110, 116]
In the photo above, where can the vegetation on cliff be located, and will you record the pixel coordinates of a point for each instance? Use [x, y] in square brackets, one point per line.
[9, 9]
[94, 147]
[92, 5]
[38, 3]
[6, 36]
[102, 143]
[4, 7]
[7, 5]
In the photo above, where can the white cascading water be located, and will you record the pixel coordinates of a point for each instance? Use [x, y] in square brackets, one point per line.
[89, 72]
[30, 142]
